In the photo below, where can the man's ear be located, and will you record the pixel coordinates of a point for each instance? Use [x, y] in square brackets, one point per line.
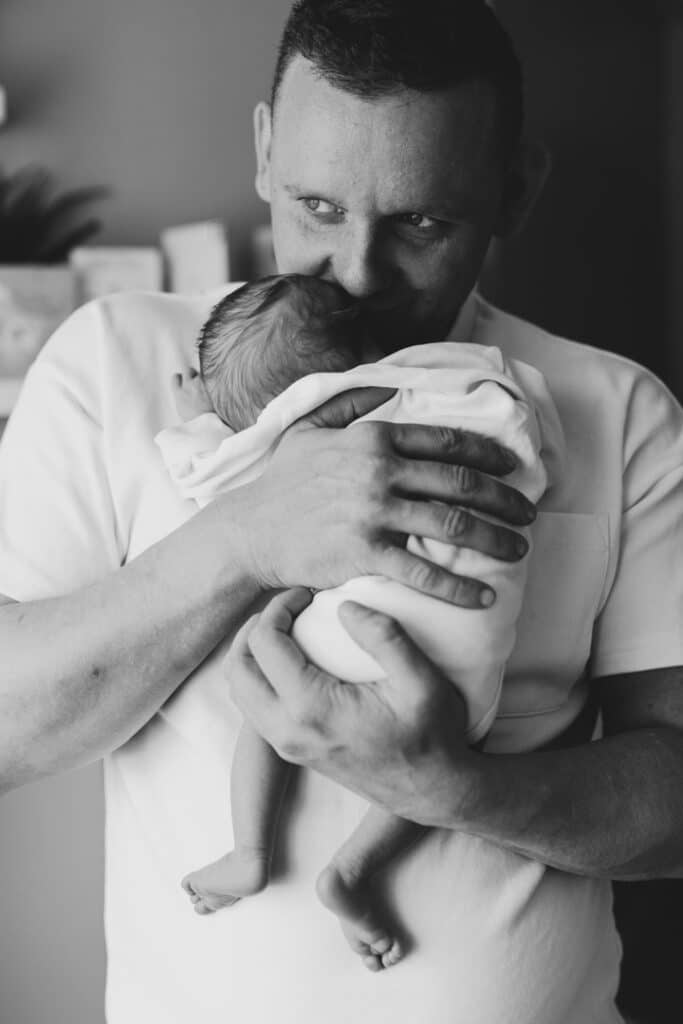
[262, 139]
[524, 183]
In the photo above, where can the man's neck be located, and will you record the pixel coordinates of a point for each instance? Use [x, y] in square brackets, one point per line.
[462, 329]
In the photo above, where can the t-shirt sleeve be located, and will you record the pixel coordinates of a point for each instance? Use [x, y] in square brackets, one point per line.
[57, 522]
[641, 624]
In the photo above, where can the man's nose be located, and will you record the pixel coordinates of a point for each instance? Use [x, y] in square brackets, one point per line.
[360, 264]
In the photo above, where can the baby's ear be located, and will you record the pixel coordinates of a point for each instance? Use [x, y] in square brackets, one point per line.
[180, 380]
[190, 394]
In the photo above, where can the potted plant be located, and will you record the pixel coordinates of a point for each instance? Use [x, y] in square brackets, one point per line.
[38, 229]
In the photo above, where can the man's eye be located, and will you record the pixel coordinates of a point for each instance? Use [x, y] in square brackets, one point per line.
[322, 207]
[419, 221]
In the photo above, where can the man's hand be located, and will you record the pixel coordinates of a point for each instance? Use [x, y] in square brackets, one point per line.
[606, 809]
[334, 504]
[399, 742]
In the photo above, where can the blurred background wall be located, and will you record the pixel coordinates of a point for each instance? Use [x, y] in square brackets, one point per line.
[592, 263]
[154, 97]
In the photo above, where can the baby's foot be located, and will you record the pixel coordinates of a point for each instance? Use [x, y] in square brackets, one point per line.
[230, 878]
[365, 932]
[191, 396]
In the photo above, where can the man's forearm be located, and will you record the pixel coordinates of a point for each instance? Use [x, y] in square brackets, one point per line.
[609, 809]
[82, 673]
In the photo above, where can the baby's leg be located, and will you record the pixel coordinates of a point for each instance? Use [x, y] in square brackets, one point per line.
[191, 397]
[344, 885]
[257, 786]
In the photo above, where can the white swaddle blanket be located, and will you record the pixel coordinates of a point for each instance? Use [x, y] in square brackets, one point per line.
[447, 384]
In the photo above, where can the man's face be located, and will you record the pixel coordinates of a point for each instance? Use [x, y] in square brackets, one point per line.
[395, 199]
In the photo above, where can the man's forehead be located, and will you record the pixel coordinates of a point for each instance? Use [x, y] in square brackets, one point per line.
[412, 146]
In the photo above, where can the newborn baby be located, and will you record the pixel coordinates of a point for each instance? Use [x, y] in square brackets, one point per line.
[270, 352]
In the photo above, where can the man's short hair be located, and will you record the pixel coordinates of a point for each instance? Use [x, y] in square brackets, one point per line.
[267, 334]
[373, 48]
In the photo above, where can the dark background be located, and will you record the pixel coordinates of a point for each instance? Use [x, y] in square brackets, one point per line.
[602, 258]
[602, 262]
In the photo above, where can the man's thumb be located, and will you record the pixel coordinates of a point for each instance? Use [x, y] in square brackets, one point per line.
[346, 407]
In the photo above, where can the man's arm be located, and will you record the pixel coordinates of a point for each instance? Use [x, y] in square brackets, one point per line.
[80, 674]
[611, 808]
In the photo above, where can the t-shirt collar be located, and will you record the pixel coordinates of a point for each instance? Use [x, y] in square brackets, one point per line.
[463, 327]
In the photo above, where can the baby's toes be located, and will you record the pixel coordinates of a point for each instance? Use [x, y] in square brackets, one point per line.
[187, 885]
[372, 962]
[392, 955]
[202, 907]
[199, 901]
[381, 945]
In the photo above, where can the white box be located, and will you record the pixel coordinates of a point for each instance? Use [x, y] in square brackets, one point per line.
[33, 302]
[102, 270]
[197, 256]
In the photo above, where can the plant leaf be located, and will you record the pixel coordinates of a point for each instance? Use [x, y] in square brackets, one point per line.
[35, 225]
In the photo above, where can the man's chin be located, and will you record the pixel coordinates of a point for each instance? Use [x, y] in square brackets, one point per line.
[394, 332]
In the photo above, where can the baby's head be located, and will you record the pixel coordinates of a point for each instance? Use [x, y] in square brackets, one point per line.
[269, 333]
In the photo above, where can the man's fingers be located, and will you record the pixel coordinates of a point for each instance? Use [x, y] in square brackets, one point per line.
[344, 408]
[429, 578]
[387, 642]
[240, 646]
[302, 693]
[449, 444]
[453, 525]
[282, 610]
[277, 653]
[270, 679]
[460, 484]
[249, 687]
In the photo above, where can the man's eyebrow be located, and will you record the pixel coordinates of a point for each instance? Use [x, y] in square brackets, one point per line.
[299, 190]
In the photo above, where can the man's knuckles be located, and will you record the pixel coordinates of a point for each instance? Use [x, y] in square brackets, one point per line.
[424, 576]
[466, 482]
[457, 524]
[371, 436]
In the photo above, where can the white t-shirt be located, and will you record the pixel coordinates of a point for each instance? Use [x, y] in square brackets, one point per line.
[496, 937]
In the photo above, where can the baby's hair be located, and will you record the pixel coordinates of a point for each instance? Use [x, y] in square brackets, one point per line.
[267, 334]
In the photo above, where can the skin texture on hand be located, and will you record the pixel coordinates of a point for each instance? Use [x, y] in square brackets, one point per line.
[396, 741]
[609, 809]
[347, 500]
[331, 505]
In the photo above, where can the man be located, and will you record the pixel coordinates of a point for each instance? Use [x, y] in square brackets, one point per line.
[390, 154]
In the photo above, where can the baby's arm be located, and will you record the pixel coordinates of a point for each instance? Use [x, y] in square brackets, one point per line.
[257, 787]
[191, 397]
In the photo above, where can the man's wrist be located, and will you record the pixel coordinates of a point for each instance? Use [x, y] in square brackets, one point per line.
[453, 794]
[228, 548]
